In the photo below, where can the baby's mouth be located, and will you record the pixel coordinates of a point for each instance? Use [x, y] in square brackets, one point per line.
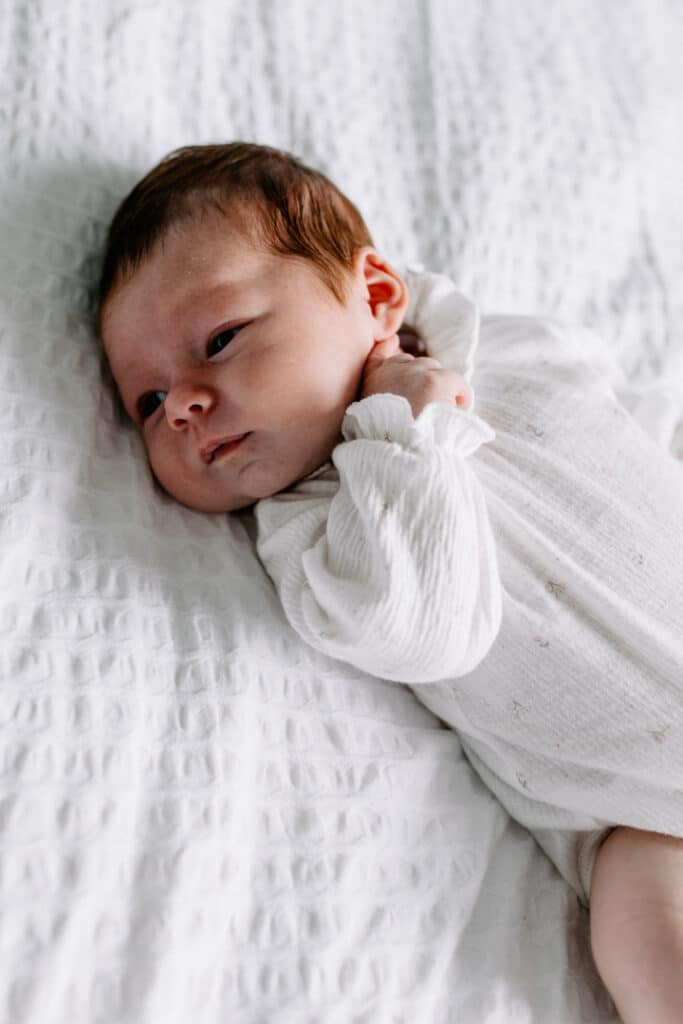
[219, 448]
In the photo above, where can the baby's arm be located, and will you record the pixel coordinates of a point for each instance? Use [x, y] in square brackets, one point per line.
[394, 569]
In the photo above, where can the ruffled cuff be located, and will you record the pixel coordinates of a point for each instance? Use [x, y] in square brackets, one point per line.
[387, 417]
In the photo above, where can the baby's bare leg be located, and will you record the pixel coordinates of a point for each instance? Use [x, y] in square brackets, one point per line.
[636, 916]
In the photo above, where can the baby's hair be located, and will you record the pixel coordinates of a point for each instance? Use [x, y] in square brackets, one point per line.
[289, 208]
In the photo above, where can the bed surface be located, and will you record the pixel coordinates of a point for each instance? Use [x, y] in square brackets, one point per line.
[200, 820]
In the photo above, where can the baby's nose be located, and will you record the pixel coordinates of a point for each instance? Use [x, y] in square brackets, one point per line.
[184, 403]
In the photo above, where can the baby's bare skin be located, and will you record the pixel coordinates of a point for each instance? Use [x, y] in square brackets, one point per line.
[636, 912]
[419, 379]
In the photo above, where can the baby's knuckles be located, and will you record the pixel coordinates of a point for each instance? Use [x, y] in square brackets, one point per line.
[421, 380]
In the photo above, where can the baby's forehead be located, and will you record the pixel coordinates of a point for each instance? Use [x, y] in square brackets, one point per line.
[186, 239]
[178, 288]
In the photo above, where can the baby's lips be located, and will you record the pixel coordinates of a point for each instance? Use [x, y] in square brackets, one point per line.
[208, 451]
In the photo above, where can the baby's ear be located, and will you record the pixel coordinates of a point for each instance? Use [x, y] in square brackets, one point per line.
[386, 292]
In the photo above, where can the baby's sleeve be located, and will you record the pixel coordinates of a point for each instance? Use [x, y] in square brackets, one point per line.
[393, 568]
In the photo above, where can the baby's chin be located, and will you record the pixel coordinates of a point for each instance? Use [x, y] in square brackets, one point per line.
[208, 500]
[258, 486]
[236, 487]
[218, 506]
[215, 502]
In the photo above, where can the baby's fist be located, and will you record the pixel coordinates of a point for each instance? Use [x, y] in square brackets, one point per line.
[419, 379]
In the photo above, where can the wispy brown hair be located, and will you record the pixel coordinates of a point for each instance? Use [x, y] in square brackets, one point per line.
[284, 205]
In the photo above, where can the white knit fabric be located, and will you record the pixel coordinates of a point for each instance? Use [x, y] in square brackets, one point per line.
[574, 717]
[353, 553]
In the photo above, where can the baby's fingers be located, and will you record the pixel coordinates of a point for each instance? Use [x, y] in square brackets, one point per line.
[463, 395]
[383, 350]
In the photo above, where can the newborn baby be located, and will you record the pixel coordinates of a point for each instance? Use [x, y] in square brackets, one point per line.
[520, 565]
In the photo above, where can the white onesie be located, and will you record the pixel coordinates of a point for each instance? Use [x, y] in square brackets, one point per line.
[521, 567]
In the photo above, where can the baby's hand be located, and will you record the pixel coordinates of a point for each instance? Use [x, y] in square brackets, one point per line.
[420, 379]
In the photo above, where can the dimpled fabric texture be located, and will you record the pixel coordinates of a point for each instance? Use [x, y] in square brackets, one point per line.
[200, 819]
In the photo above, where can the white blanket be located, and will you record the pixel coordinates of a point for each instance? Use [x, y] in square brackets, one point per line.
[200, 819]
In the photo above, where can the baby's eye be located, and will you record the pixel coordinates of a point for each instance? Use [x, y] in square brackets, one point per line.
[149, 403]
[221, 340]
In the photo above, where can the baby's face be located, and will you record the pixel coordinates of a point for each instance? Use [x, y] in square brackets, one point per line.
[236, 365]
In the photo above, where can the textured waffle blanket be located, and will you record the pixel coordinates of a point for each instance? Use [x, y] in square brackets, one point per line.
[202, 819]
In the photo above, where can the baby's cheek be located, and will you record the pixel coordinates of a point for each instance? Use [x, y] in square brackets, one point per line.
[174, 480]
